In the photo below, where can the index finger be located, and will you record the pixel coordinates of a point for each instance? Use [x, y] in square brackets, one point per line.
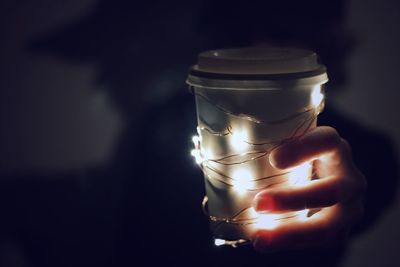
[321, 141]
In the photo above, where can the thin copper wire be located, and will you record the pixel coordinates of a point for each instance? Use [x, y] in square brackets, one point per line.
[278, 142]
[260, 154]
[252, 118]
[252, 180]
[264, 153]
[228, 132]
[233, 220]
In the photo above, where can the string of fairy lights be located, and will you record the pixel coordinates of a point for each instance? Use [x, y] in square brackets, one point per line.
[243, 181]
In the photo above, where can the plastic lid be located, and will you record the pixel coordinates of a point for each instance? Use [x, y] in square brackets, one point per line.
[258, 64]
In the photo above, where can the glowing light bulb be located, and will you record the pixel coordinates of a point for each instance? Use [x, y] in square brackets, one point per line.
[196, 141]
[316, 96]
[242, 180]
[238, 139]
[219, 242]
[325, 158]
[302, 215]
[267, 221]
[300, 175]
[197, 156]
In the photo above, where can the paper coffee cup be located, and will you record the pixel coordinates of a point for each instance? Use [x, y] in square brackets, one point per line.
[249, 101]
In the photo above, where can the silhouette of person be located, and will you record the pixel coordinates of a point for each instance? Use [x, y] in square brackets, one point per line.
[144, 206]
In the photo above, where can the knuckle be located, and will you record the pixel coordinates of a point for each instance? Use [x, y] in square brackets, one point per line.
[331, 135]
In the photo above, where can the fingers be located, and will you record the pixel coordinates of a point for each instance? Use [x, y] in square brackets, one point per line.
[338, 192]
[317, 194]
[323, 228]
[319, 141]
[294, 235]
[341, 181]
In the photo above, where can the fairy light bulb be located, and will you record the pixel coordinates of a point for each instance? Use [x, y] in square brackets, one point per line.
[302, 215]
[242, 181]
[267, 221]
[196, 141]
[316, 96]
[238, 138]
[219, 242]
[300, 175]
[198, 130]
[197, 156]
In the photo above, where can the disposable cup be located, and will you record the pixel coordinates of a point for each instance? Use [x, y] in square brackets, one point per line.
[249, 101]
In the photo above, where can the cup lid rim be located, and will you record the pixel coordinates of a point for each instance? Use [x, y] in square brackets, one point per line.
[195, 71]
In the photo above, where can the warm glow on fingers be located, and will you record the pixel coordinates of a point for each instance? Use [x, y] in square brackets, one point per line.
[300, 175]
[267, 221]
[326, 157]
[302, 215]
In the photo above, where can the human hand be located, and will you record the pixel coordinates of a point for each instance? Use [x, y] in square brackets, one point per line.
[339, 192]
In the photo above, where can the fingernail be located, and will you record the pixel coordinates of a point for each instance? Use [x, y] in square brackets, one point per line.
[272, 159]
[263, 203]
[280, 157]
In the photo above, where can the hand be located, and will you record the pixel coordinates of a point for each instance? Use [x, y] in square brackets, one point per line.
[339, 192]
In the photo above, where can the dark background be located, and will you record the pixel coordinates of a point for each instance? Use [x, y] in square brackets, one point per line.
[57, 116]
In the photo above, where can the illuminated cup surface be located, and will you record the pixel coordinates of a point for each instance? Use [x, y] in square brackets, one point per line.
[249, 101]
